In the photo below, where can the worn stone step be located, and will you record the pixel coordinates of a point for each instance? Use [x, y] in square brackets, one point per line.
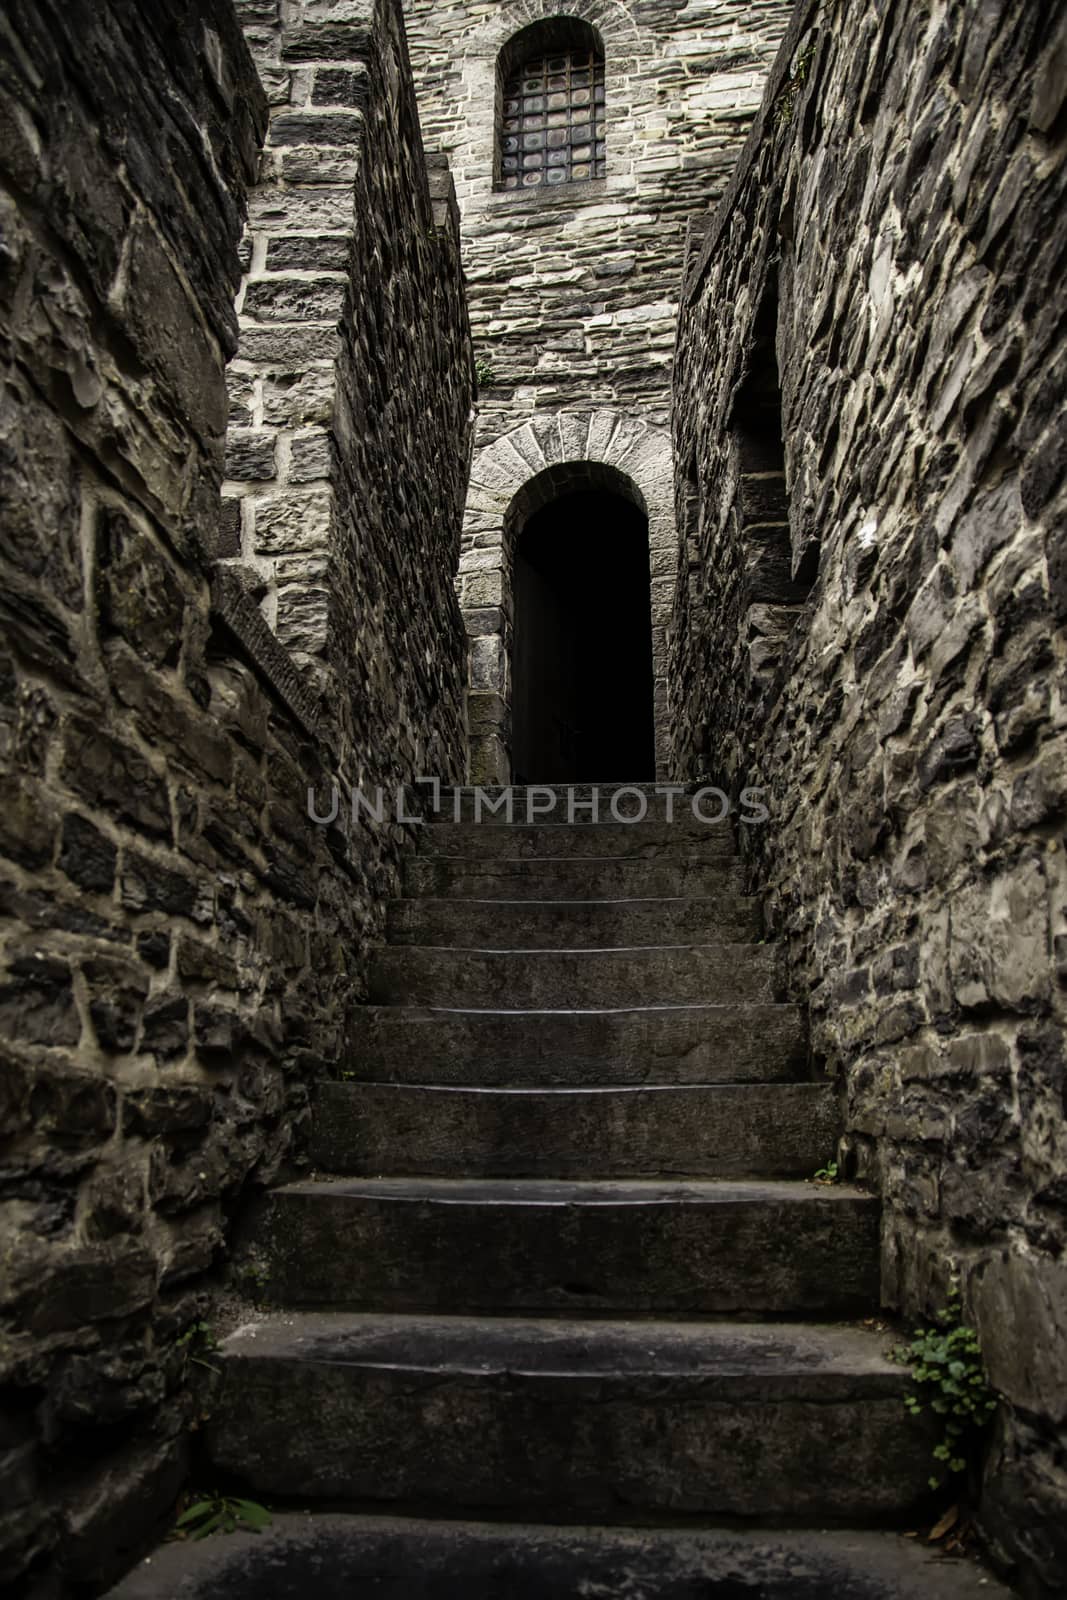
[565, 794]
[548, 841]
[641, 1044]
[536, 1247]
[552, 924]
[334, 1556]
[719, 1130]
[653, 975]
[698, 812]
[607, 1420]
[579, 878]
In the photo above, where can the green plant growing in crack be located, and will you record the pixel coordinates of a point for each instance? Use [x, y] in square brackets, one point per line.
[790, 90]
[947, 1370]
[827, 1174]
[483, 372]
[196, 1344]
[217, 1513]
[254, 1278]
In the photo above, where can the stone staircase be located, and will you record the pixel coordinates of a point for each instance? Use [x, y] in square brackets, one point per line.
[562, 1262]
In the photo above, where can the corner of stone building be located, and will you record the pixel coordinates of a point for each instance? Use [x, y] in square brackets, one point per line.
[354, 349]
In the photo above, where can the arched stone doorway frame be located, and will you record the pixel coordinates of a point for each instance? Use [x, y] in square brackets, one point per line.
[510, 479]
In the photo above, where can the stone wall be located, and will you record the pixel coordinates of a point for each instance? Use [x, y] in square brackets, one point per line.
[574, 288]
[870, 622]
[353, 355]
[179, 946]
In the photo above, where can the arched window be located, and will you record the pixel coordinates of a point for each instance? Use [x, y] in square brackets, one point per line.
[551, 105]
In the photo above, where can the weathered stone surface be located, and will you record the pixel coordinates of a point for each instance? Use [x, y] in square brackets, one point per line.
[139, 594]
[111, 774]
[179, 945]
[69, 1288]
[877, 263]
[596, 926]
[37, 1000]
[717, 974]
[647, 840]
[117, 991]
[412, 1560]
[667, 873]
[87, 856]
[353, 296]
[646, 1416]
[161, 745]
[574, 285]
[166, 1026]
[683, 1044]
[775, 1129]
[548, 1247]
[179, 1108]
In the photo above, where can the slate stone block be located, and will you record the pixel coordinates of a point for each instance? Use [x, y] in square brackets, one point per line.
[327, 41]
[147, 885]
[37, 1003]
[340, 86]
[166, 1026]
[87, 855]
[86, 1285]
[249, 456]
[117, 992]
[113, 776]
[28, 821]
[75, 1108]
[167, 329]
[168, 1109]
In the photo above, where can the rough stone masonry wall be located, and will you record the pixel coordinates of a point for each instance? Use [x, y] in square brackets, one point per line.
[179, 946]
[900, 219]
[574, 288]
[353, 355]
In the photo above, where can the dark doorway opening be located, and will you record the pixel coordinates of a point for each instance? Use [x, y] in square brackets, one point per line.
[582, 708]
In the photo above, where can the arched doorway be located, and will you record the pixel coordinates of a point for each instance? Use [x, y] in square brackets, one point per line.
[582, 675]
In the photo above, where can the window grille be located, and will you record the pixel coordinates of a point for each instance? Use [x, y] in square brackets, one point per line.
[552, 128]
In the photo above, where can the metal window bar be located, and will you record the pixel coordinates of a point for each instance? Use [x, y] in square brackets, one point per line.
[552, 129]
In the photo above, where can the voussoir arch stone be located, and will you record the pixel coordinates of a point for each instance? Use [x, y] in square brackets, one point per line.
[636, 449]
[612, 20]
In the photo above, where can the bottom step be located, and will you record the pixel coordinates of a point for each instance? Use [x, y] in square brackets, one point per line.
[331, 1557]
[571, 1420]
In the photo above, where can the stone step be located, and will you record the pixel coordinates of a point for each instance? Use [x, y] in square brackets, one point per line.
[579, 878]
[641, 1044]
[580, 793]
[338, 1556]
[654, 975]
[574, 924]
[548, 841]
[716, 1131]
[535, 1248]
[576, 1419]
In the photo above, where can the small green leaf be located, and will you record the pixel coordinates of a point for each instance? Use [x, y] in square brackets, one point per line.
[193, 1513]
[946, 1369]
[256, 1516]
